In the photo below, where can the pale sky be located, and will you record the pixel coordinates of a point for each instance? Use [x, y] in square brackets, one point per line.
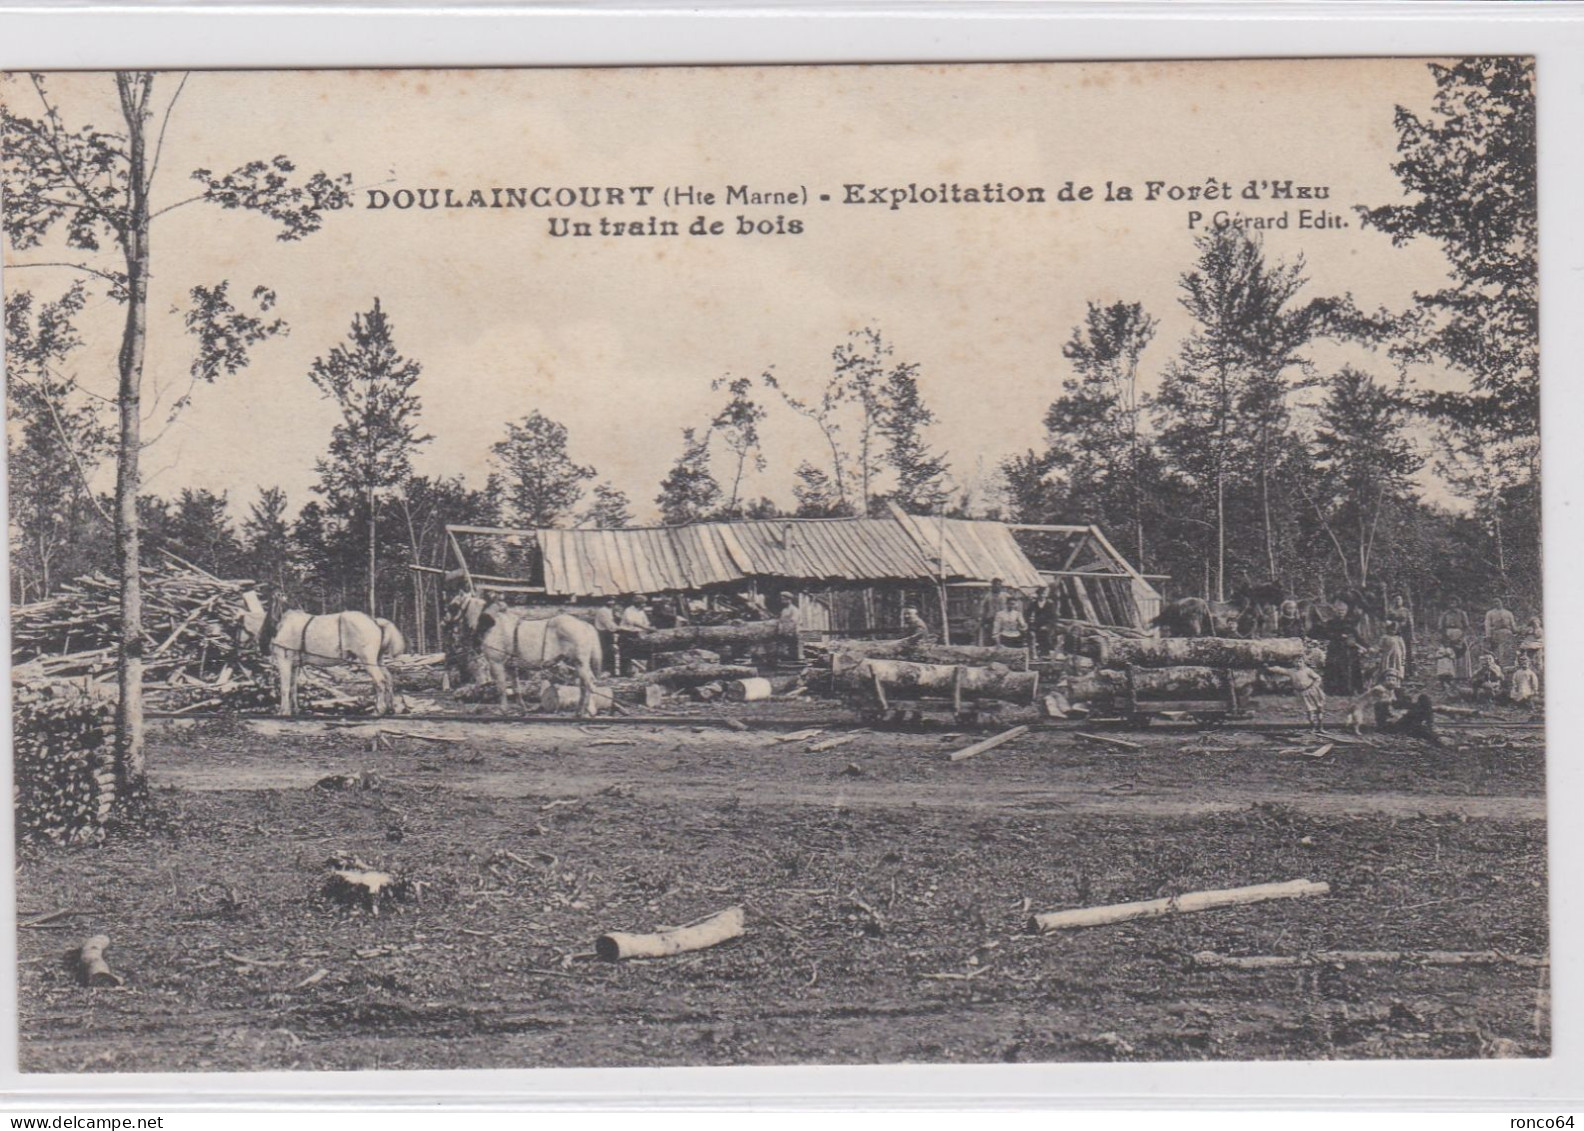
[619, 339]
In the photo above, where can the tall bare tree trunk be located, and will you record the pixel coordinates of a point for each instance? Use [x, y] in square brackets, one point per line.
[373, 611]
[1270, 536]
[131, 769]
[1220, 579]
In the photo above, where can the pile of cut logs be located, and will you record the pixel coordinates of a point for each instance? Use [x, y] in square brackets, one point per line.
[881, 670]
[1205, 668]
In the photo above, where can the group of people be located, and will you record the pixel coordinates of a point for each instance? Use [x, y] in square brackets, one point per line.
[1009, 619]
[1503, 665]
[1004, 618]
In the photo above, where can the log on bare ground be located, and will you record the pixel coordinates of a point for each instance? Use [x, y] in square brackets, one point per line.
[91, 965]
[904, 680]
[704, 933]
[1207, 651]
[564, 699]
[1177, 904]
[637, 691]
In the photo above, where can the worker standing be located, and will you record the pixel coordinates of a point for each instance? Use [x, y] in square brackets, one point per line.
[787, 627]
[1043, 623]
[1501, 633]
[1010, 628]
[1403, 616]
[1454, 634]
[605, 625]
[989, 609]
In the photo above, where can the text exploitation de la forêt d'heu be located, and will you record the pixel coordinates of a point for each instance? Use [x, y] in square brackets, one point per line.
[643, 210]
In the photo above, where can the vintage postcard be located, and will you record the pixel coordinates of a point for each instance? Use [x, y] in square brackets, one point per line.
[975, 563]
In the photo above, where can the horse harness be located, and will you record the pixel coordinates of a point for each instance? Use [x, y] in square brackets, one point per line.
[516, 653]
[302, 649]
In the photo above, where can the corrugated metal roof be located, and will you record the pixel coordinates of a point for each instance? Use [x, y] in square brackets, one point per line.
[600, 563]
[966, 548]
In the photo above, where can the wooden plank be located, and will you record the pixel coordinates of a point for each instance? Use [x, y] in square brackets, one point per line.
[1120, 742]
[988, 744]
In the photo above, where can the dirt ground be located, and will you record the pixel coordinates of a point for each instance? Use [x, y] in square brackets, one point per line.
[886, 890]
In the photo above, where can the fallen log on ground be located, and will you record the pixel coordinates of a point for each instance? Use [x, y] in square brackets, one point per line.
[1014, 658]
[711, 636]
[561, 699]
[91, 964]
[1343, 957]
[988, 744]
[907, 680]
[635, 690]
[708, 932]
[1208, 651]
[693, 675]
[1189, 902]
[748, 690]
[1107, 686]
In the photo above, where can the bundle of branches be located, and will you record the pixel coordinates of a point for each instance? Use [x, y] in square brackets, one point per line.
[188, 621]
[64, 771]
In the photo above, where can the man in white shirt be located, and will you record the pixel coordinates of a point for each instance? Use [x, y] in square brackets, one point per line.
[635, 617]
[1011, 629]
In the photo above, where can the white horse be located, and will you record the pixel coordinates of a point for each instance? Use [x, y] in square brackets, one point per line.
[504, 635]
[295, 638]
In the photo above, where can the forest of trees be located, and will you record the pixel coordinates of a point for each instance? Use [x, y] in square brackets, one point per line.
[1232, 455]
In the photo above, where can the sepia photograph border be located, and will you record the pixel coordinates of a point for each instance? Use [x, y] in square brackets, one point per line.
[289, 36]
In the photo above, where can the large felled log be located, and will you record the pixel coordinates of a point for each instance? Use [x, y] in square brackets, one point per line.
[1106, 686]
[1015, 658]
[91, 964]
[683, 658]
[906, 680]
[1207, 651]
[1191, 901]
[711, 636]
[693, 675]
[709, 932]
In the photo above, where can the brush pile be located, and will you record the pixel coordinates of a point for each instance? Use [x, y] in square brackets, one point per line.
[188, 617]
[190, 651]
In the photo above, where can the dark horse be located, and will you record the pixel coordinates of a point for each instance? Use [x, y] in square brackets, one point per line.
[1186, 616]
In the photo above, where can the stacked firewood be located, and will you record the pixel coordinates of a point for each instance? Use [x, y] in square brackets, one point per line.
[189, 620]
[62, 771]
